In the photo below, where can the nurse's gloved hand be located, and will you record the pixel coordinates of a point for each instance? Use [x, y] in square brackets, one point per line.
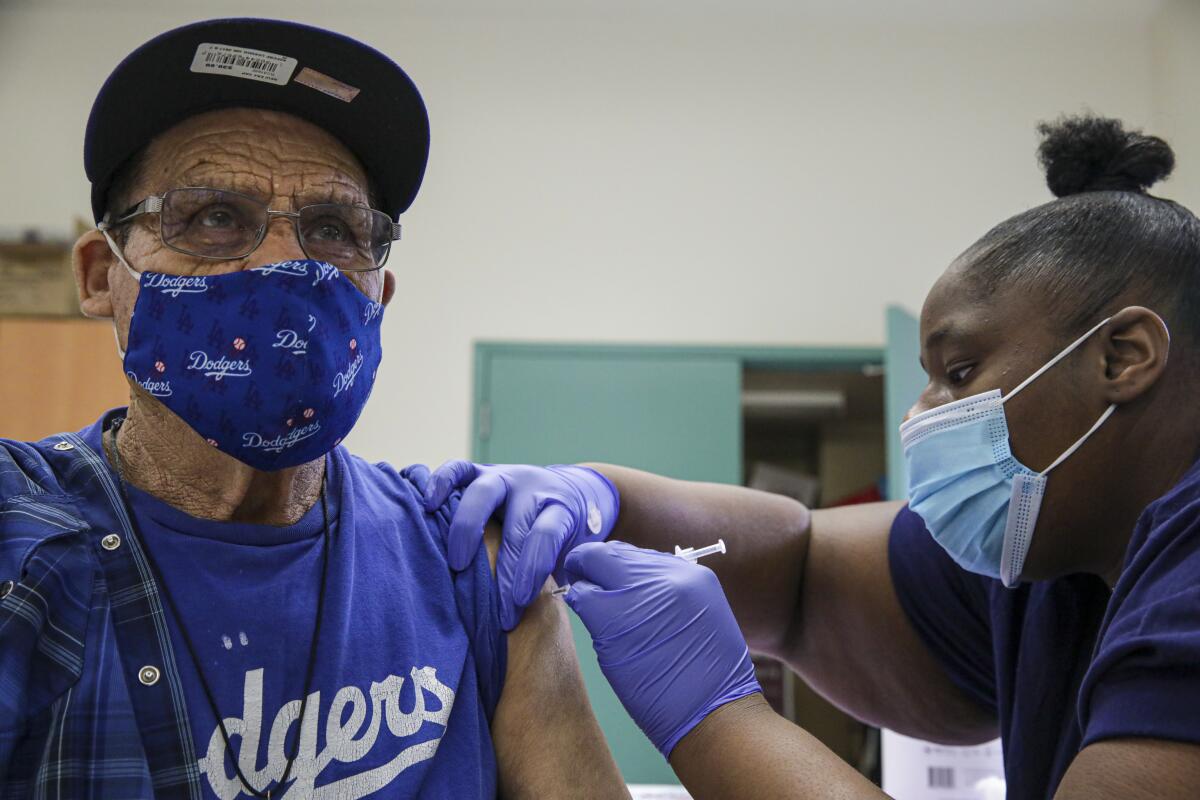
[664, 634]
[546, 512]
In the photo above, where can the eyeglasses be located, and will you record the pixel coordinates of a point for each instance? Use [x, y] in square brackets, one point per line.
[221, 225]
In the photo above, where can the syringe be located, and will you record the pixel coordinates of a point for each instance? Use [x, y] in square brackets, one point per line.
[686, 553]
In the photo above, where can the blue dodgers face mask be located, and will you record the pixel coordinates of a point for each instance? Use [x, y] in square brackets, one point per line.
[977, 500]
[271, 365]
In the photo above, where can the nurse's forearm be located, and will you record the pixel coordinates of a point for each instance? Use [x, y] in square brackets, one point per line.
[744, 749]
[814, 591]
[766, 536]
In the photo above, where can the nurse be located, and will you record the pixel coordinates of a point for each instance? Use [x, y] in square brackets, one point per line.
[1042, 582]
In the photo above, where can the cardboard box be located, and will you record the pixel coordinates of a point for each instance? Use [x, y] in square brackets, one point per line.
[36, 280]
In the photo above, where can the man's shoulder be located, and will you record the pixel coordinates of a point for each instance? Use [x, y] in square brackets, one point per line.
[26, 469]
[44, 466]
[46, 570]
[44, 493]
[381, 482]
[383, 473]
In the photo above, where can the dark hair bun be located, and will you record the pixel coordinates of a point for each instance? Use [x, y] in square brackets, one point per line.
[1088, 154]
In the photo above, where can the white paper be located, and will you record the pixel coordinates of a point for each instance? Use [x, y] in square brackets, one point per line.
[916, 770]
[657, 791]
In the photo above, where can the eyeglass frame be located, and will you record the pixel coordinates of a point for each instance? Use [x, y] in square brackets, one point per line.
[153, 204]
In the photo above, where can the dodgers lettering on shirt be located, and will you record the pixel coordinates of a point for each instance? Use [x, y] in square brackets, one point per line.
[347, 739]
[408, 666]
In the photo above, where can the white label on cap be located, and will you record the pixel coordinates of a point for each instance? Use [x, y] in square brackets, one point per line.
[242, 62]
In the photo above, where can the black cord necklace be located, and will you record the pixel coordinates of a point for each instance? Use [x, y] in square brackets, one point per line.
[187, 639]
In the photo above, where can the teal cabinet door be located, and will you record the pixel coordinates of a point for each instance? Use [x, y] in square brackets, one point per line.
[676, 413]
[903, 381]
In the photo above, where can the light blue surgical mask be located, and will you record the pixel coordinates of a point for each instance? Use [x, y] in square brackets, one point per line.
[977, 500]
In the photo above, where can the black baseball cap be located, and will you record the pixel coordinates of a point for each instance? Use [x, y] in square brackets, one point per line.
[339, 84]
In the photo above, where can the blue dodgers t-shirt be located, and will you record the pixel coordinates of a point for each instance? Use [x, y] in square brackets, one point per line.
[1066, 663]
[410, 662]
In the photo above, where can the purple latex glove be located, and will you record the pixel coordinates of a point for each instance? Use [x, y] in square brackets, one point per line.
[546, 511]
[664, 635]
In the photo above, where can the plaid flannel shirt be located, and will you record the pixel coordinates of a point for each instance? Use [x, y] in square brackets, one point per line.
[90, 698]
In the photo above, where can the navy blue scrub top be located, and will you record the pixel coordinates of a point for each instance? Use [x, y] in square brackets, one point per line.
[1066, 663]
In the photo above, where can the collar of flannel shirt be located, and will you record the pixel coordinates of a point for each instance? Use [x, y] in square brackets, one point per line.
[90, 697]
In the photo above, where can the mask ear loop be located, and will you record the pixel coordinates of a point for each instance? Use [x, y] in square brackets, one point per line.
[137, 276]
[1045, 367]
[1103, 417]
[103, 228]
[1070, 450]
[117, 339]
[1066, 352]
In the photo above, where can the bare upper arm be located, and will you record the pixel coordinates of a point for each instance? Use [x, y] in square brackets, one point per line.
[812, 589]
[852, 641]
[1133, 769]
[547, 740]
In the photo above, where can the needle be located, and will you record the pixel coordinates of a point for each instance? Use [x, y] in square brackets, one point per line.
[686, 553]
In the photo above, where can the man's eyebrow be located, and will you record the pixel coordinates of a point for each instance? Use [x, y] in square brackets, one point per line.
[332, 194]
[208, 180]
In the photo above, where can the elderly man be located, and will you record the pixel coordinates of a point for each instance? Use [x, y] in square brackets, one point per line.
[204, 595]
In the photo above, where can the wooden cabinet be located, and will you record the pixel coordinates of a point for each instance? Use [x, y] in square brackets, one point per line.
[56, 374]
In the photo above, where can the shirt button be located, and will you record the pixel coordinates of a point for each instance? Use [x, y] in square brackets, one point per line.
[594, 520]
[148, 675]
[6, 589]
[111, 542]
[61, 446]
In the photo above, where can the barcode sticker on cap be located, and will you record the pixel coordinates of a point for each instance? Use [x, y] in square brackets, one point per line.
[242, 62]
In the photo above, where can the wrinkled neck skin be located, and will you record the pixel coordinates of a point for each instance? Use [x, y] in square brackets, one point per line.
[162, 456]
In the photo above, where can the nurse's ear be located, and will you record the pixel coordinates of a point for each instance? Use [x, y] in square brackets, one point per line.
[1135, 347]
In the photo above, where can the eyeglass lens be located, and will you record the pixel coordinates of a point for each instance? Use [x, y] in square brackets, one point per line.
[222, 224]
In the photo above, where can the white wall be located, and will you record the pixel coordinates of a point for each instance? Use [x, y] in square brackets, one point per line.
[1176, 43]
[668, 171]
